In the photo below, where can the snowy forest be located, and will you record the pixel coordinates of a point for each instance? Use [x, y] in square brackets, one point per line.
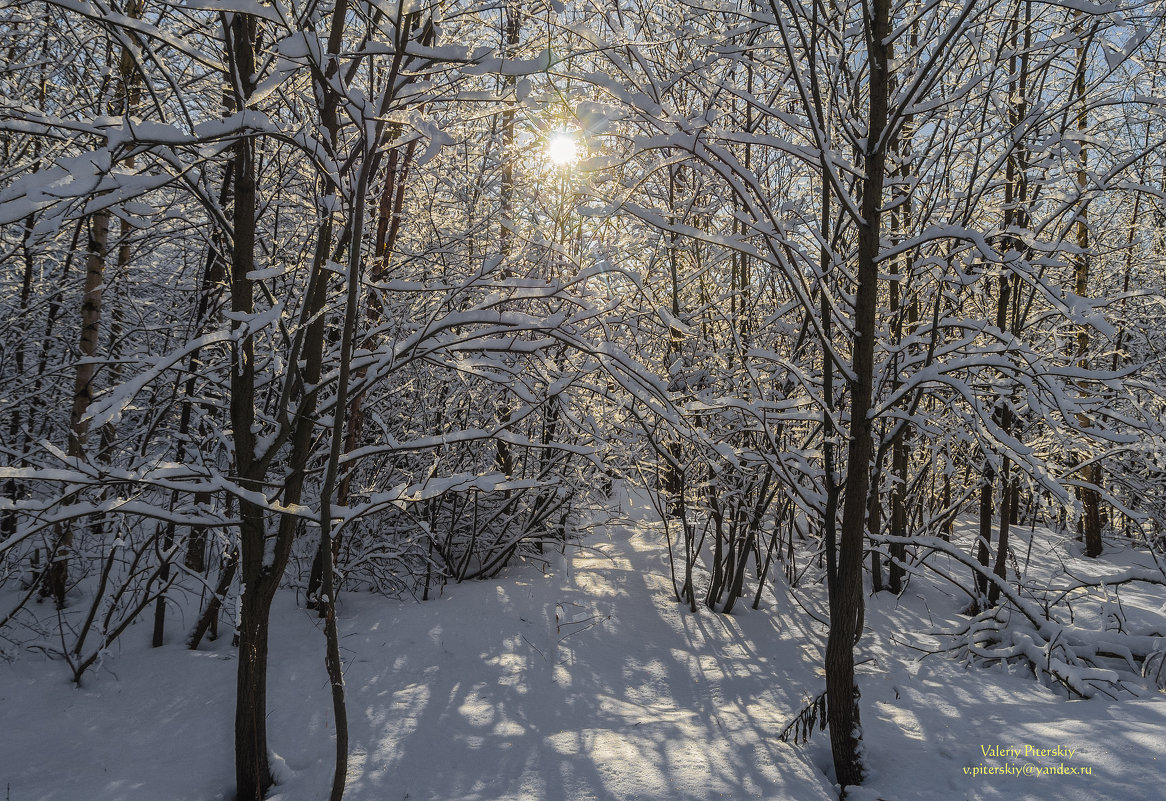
[410, 400]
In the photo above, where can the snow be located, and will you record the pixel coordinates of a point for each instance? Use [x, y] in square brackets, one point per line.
[580, 679]
[926, 722]
[929, 722]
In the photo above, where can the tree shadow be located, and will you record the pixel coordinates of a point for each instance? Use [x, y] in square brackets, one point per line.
[597, 685]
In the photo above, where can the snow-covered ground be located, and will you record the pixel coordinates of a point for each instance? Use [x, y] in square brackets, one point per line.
[931, 723]
[586, 682]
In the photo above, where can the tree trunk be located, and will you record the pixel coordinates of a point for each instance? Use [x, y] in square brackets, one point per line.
[58, 568]
[252, 770]
[898, 551]
[987, 484]
[1089, 492]
[874, 525]
[210, 615]
[1007, 500]
[11, 488]
[90, 332]
[901, 268]
[331, 474]
[846, 603]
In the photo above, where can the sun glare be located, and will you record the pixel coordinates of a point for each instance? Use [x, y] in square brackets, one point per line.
[562, 149]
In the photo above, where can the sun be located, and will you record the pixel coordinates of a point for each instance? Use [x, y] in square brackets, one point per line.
[562, 149]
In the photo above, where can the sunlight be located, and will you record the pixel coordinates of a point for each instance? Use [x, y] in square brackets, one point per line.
[562, 149]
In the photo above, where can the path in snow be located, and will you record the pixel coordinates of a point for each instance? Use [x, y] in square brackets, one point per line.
[593, 684]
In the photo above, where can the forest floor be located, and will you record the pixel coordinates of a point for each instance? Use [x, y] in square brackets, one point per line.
[581, 679]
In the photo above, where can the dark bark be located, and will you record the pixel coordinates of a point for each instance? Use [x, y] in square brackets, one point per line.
[1090, 492]
[874, 523]
[846, 603]
[985, 539]
[898, 551]
[829, 432]
[11, 488]
[1006, 504]
[949, 521]
[210, 616]
[390, 212]
[252, 770]
[331, 475]
[57, 572]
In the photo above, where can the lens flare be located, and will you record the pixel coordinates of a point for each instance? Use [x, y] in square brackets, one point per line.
[562, 149]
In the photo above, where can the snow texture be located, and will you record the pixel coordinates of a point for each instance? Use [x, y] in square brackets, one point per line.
[582, 680]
